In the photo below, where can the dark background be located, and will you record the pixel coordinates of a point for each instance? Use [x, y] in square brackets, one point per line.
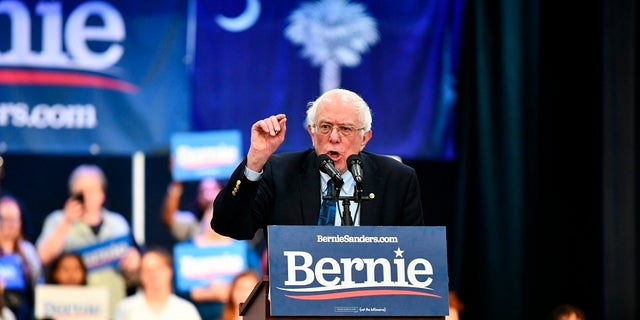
[539, 206]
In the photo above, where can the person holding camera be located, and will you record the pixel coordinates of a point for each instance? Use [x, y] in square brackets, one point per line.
[84, 225]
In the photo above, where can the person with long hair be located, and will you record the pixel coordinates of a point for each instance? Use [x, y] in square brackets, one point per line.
[20, 253]
[241, 287]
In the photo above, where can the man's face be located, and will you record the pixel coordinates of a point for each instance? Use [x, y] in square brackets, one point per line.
[155, 272]
[10, 222]
[337, 113]
[90, 185]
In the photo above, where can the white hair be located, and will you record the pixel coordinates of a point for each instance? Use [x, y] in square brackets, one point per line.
[349, 96]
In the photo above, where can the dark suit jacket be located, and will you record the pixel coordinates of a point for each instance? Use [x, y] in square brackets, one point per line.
[289, 194]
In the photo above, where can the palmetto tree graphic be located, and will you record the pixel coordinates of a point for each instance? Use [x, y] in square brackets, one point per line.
[332, 33]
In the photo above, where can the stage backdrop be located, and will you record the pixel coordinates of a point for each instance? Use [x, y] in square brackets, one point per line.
[257, 58]
[83, 77]
[112, 76]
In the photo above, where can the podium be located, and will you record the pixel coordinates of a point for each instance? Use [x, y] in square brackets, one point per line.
[364, 272]
[257, 307]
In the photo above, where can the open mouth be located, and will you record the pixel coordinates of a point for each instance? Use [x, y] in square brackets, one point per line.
[334, 155]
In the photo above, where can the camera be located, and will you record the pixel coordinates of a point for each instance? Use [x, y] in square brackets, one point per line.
[79, 197]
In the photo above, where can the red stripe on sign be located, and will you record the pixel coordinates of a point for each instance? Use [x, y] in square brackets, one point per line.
[57, 78]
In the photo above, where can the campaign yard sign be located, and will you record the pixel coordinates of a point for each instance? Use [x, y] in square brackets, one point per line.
[106, 253]
[198, 155]
[71, 302]
[197, 266]
[11, 273]
[358, 271]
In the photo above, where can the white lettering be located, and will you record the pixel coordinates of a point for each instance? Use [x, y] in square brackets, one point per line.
[105, 255]
[371, 269]
[77, 36]
[51, 13]
[43, 116]
[292, 268]
[413, 272]
[329, 272]
[8, 272]
[20, 31]
[200, 157]
[203, 266]
[320, 271]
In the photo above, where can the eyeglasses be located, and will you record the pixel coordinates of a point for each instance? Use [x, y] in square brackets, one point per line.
[327, 128]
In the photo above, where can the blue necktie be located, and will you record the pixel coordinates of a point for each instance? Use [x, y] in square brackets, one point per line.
[328, 209]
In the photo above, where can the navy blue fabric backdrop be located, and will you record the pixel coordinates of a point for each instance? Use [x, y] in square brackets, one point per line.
[256, 59]
[112, 77]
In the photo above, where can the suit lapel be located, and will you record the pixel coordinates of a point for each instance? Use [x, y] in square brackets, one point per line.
[309, 184]
[373, 185]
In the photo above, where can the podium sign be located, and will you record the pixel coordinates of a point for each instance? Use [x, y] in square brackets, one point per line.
[358, 271]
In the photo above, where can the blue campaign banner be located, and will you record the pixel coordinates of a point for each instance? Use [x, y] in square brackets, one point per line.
[198, 155]
[106, 253]
[99, 77]
[257, 58]
[198, 266]
[11, 273]
[358, 271]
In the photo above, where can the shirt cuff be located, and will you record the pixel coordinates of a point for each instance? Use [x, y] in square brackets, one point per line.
[252, 175]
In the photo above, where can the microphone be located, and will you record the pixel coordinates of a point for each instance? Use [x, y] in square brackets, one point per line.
[355, 166]
[326, 165]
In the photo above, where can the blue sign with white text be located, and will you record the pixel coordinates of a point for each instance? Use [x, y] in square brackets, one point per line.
[197, 266]
[106, 253]
[198, 155]
[93, 76]
[11, 273]
[358, 271]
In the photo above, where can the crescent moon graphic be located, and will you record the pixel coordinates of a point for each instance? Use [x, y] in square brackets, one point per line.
[242, 22]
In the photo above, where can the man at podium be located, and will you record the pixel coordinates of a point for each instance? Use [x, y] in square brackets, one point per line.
[357, 187]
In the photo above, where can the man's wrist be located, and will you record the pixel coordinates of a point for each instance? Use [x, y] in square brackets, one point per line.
[251, 174]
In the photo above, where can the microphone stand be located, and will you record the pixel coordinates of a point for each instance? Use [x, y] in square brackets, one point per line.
[345, 218]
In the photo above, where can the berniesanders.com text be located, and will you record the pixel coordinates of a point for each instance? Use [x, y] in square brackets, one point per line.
[356, 239]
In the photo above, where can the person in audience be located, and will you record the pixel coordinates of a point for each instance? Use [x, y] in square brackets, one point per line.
[26, 227]
[84, 222]
[210, 300]
[2, 168]
[5, 313]
[241, 287]
[455, 306]
[567, 312]
[67, 269]
[186, 224]
[20, 256]
[156, 299]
